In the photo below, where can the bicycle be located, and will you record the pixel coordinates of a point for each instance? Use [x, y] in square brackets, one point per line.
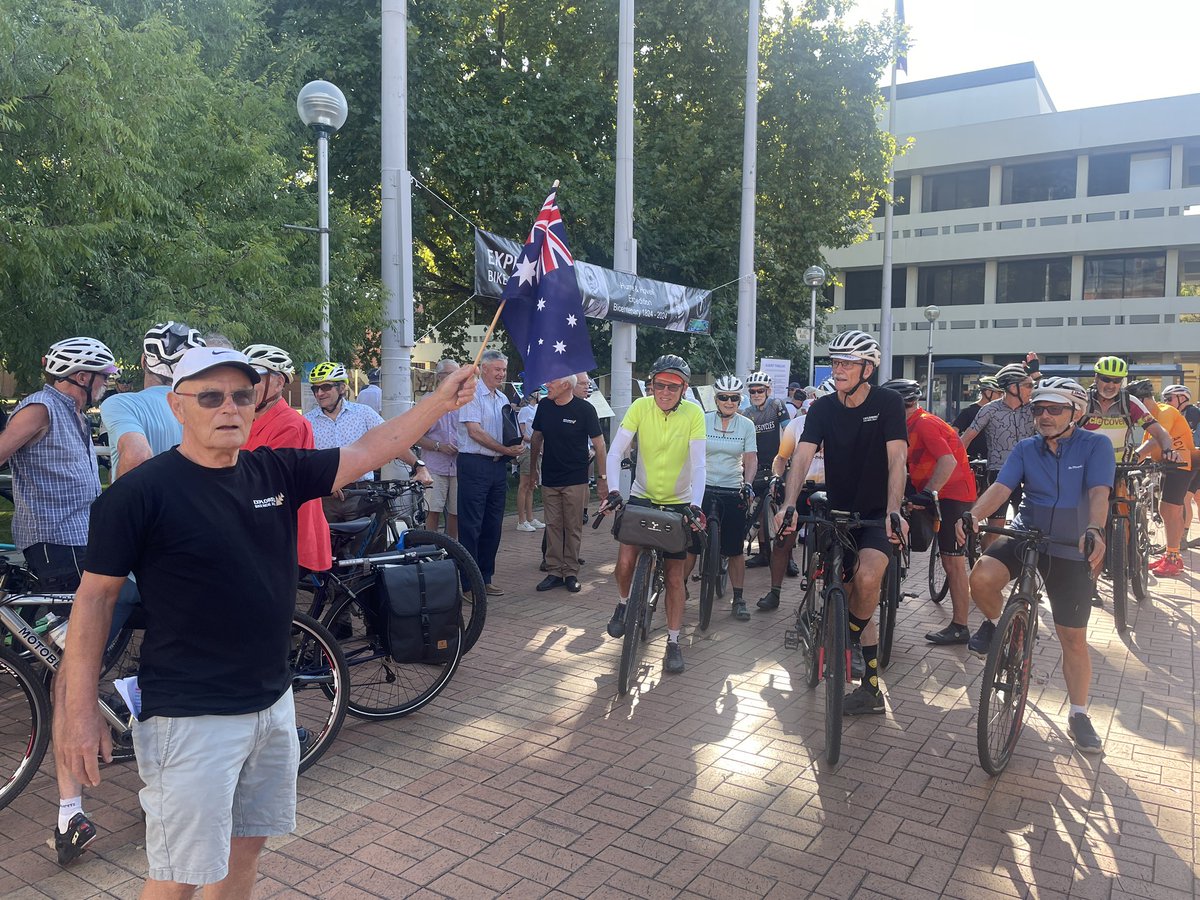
[319, 686]
[891, 592]
[1129, 531]
[713, 573]
[396, 513]
[1004, 689]
[939, 583]
[760, 520]
[351, 608]
[820, 633]
[649, 587]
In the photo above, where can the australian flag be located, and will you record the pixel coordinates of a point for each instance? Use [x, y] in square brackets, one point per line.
[543, 309]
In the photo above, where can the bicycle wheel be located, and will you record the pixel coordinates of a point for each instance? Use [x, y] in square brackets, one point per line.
[723, 578]
[939, 583]
[1139, 555]
[711, 572]
[835, 665]
[808, 635]
[380, 687]
[636, 626]
[889, 606]
[1118, 567]
[320, 687]
[469, 576]
[24, 724]
[1005, 686]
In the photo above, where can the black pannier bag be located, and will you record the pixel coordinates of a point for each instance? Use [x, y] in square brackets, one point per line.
[422, 610]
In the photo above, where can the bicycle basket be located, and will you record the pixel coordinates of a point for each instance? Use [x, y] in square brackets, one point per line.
[648, 526]
[423, 609]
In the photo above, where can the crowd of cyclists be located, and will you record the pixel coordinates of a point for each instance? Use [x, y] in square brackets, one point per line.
[1049, 448]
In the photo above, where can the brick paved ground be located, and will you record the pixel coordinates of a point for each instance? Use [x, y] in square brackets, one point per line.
[528, 779]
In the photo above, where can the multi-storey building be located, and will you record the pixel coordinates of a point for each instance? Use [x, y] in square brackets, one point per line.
[1075, 234]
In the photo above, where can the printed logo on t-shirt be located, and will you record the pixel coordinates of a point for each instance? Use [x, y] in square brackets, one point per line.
[570, 421]
[874, 418]
[268, 502]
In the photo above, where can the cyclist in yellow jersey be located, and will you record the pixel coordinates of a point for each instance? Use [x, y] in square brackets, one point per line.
[670, 472]
[1113, 413]
[1175, 481]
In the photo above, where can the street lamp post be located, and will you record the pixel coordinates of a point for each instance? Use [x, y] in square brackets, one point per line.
[814, 277]
[322, 106]
[931, 316]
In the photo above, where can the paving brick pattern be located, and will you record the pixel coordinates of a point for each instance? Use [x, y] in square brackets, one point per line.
[528, 778]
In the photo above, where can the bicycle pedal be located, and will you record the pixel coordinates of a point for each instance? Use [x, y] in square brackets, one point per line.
[803, 584]
[909, 595]
[791, 639]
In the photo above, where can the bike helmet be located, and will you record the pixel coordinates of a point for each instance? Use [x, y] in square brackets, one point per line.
[729, 384]
[78, 354]
[1143, 389]
[1013, 373]
[758, 379]
[165, 344]
[826, 387]
[323, 373]
[1176, 389]
[1061, 390]
[670, 363]
[1112, 367]
[271, 358]
[907, 388]
[855, 345]
[989, 383]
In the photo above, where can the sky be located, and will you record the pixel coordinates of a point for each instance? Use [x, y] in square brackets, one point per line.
[1089, 52]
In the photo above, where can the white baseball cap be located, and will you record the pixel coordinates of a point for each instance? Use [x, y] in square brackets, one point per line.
[200, 359]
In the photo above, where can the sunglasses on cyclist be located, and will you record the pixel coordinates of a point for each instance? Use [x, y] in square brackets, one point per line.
[216, 399]
[327, 386]
[1109, 380]
[729, 398]
[758, 390]
[1049, 409]
[665, 386]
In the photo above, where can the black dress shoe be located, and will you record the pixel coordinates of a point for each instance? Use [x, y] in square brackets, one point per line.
[793, 570]
[757, 562]
[573, 584]
[550, 582]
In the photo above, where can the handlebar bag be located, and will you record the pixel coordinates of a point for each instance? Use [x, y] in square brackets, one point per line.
[920, 529]
[651, 527]
[422, 608]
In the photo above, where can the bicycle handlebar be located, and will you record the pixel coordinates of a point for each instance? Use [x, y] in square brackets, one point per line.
[1030, 534]
[385, 489]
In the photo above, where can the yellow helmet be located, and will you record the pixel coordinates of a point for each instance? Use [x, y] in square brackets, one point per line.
[1112, 367]
[323, 373]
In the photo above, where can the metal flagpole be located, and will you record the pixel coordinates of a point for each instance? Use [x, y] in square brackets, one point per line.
[624, 335]
[885, 298]
[747, 317]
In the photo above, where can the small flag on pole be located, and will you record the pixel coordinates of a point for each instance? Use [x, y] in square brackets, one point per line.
[542, 307]
[901, 55]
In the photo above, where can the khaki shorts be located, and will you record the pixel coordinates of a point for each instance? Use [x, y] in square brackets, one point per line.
[212, 778]
[442, 495]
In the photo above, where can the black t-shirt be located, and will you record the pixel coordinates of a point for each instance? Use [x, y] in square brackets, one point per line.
[855, 439]
[769, 422]
[1191, 415]
[978, 448]
[566, 432]
[214, 552]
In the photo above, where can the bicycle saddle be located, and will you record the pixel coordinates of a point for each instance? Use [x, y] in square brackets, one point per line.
[354, 526]
[818, 499]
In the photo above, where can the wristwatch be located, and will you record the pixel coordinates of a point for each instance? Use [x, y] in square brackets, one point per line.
[419, 462]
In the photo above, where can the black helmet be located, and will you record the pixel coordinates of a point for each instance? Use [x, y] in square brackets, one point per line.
[1013, 373]
[1143, 389]
[669, 362]
[907, 388]
[165, 344]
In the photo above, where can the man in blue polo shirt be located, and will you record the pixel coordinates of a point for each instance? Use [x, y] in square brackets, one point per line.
[1067, 474]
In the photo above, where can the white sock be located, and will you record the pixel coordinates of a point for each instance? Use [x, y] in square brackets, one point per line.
[66, 811]
[623, 600]
[673, 636]
[1077, 710]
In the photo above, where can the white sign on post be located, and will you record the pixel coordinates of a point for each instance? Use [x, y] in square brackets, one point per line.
[779, 370]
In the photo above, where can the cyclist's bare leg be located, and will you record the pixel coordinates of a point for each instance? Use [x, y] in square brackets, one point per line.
[1172, 516]
[737, 571]
[626, 559]
[675, 580]
[955, 567]
[868, 578]
[68, 787]
[690, 566]
[1077, 664]
[988, 579]
[237, 885]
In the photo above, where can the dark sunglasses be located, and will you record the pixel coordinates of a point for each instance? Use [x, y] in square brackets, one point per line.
[216, 399]
[729, 398]
[328, 386]
[1049, 409]
[758, 390]
[664, 386]
[1109, 380]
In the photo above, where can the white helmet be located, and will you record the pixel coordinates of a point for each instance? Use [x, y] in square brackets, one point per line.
[165, 344]
[855, 345]
[1061, 390]
[271, 358]
[1176, 389]
[78, 354]
[729, 384]
[759, 378]
[826, 387]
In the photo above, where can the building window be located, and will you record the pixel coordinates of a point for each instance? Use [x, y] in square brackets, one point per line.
[1033, 280]
[950, 285]
[865, 286]
[1108, 173]
[1031, 182]
[1150, 171]
[1189, 273]
[1191, 166]
[1125, 277]
[900, 194]
[954, 190]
